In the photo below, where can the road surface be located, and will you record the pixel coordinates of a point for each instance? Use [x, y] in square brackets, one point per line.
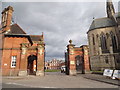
[53, 80]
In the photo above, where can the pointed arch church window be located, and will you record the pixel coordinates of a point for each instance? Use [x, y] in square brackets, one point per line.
[93, 38]
[114, 42]
[103, 43]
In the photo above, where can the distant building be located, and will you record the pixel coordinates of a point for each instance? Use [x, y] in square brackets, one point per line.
[54, 64]
[77, 59]
[22, 54]
[104, 40]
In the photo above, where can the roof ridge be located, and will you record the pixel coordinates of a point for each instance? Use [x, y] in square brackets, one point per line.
[101, 18]
[101, 23]
[35, 35]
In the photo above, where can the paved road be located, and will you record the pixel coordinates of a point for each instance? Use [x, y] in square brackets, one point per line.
[18, 87]
[13, 86]
[55, 73]
[54, 80]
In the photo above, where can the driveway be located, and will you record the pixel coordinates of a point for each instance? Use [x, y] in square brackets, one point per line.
[56, 80]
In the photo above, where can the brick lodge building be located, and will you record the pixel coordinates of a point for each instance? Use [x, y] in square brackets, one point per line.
[22, 54]
[77, 59]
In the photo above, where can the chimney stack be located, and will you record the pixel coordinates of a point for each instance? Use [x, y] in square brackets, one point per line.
[7, 18]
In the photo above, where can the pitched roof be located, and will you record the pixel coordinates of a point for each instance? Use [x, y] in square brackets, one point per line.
[117, 14]
[18, 31]
[0, 27]
[15, 29]
[102, 22]
[36, 37]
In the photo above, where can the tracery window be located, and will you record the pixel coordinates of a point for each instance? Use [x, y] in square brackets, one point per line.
[106, 60]
[114, 42]
[93, 38]
[103, 43]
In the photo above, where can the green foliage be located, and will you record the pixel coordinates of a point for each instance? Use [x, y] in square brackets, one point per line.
[52, 70]
[97, 72]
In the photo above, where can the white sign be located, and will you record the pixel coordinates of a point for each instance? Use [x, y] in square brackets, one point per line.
[116, 74]
[34, 69]
[5, 64]
[72, 62]
[108, 72]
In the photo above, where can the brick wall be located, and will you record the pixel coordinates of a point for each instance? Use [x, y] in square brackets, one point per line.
[11, 47]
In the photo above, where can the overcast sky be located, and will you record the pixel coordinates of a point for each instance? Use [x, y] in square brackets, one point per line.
[59, 21]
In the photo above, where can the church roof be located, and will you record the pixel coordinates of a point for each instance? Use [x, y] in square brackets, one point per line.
[117, 15]
[0, 27]
[102, 22]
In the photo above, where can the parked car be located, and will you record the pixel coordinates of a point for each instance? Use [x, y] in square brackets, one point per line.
[63, 69]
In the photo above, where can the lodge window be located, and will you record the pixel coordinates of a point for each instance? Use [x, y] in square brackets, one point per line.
[13, 61]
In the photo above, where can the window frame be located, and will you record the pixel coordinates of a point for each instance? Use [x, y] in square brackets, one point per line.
[114, 42]
[13, 61]
[104, 42]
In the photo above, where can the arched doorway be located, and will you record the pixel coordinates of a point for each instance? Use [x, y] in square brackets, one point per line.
[79, 64]
[32, 64]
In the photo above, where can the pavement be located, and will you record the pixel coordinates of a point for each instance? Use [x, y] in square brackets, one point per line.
[60, 80]
[101, 78]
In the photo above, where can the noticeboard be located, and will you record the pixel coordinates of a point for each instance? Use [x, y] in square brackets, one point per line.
[116, 74]
[72, 62]
[108, 72]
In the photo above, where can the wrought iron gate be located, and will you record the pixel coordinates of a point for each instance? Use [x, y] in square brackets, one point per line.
[79, 64]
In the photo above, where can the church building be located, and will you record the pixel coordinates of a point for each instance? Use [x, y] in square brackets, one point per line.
[104, 40]
[22, 54]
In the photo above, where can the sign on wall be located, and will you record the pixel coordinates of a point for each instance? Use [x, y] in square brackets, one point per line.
[116, 74]
[72, 62]
[108, 72]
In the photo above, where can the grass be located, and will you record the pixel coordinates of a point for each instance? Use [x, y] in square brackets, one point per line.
[97, 71]
[52, 70]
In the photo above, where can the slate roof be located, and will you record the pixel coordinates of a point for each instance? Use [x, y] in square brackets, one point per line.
[102, 22]
[117, 15]
[0, 27]
[15, 29]
[36, 37]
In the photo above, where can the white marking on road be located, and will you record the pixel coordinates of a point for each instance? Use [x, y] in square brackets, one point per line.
[29, 86]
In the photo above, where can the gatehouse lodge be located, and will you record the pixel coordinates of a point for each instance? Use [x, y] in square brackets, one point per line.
[22, 54]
